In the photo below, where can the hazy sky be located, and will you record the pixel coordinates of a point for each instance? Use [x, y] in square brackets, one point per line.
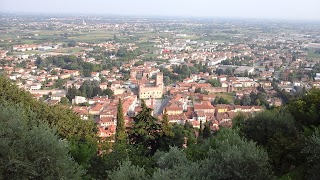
[280, 9]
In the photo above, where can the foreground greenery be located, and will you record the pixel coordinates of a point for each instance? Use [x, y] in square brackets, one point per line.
[42, 142]
[32, 150]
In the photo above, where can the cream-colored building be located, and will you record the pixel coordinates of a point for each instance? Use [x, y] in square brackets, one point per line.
[154, 91]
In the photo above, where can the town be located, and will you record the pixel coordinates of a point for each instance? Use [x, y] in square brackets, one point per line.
[160, 90]
[195, 71]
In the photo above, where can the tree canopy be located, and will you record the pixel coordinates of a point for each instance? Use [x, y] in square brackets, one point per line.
[31, 149]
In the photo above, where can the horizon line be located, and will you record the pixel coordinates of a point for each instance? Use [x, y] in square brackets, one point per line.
[162, 15]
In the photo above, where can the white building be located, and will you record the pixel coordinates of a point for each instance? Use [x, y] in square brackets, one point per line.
[35, 86]
[216, 61]
[79, 100]
[45, 48]
[317, 77]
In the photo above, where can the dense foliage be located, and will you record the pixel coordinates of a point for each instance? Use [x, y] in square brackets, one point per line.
[80, 135]
[88, 89]
[29, 149]
[72, 62]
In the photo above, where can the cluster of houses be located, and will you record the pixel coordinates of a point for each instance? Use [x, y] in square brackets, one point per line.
[179, 109]
[282, 59]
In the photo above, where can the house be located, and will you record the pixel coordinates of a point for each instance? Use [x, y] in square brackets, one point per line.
[107, 132]
[57, 96]
[251, 109]
[174, 110]
[221, 108]
[195, 124]
[73, 73]
[266, 84]
[82, 111]
[64, 76]
[107, 121]
[179, 118]
[103, 86]
[201, 116]
[205, 107]
[222, 78]
[317, 77]
[79, 100]
[35, 86]
[95, 76]
[96, 109]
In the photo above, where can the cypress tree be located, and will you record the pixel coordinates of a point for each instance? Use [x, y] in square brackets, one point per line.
[119, 151]
[167, 136]
[200, 136]
[206, 131]
[121, 135]
[165, 125]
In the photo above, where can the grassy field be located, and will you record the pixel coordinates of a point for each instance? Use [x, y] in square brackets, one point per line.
[228, 96]
[7, 35]
[98, 36]
[51, 35]
[70, 50]
[93, 37]
[146, 46]
[313, 55]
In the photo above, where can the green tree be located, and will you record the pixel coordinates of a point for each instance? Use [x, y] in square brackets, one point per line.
[167, 134]
[119, 150]
[238, 120]
[103, 79]
[127, 171]
[179, 135]
[72, 43]
[32, 151]
[59, 83]
[86, 73]
[214, 82]
[200, 133]
[72, 93]
[64, 101]
[121, 134]
[115, 38]
[175, 165]
[312, 150]
[206, 130]
[229, 159]
[90, 88]
[122, 52]
[220, 100]
[246, 100]
[68, 124]
[276, 131]
[228, 71]
[108, 92]
[189, 133]
[146, 130]
[306, 110]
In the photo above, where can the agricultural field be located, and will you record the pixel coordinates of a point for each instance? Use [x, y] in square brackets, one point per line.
[312, 55]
